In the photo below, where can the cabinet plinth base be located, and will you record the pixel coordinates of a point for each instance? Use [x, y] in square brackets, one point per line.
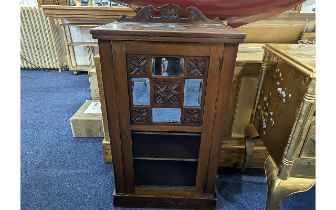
[152, 201]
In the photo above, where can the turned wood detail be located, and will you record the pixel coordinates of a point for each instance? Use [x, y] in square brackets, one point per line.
[197, 66]
[141, 115]
[192, 117]
[167, 92]
[137, 65]
[169, 13]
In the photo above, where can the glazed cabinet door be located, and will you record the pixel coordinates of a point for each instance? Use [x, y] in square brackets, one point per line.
[166, 95]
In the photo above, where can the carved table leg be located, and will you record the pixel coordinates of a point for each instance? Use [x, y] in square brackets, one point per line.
[278, 189]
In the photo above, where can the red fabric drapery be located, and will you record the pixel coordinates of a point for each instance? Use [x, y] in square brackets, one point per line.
[236, 12]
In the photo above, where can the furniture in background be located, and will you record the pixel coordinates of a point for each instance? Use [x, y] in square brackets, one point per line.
[106, 148]
[40, 40]
[284, 119]
[91, 46]
[283, 28]
[83, 17]
[166, 94]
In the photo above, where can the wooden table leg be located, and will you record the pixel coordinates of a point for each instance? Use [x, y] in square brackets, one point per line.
[249, 145]
[278, 189]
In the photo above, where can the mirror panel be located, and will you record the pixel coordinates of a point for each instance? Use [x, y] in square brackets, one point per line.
[167, 66]
[140, 91]
[166, 115]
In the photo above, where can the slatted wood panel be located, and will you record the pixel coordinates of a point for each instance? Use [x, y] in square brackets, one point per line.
[40, 40]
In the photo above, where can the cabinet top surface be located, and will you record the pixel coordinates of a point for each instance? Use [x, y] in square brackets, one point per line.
[134, 30]
[304, 55]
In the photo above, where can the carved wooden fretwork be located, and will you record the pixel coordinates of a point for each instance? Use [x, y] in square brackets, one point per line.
[167, 92]
[192, 117]
[169, 13]
[197, 66]
[140, 115]
[137, 65]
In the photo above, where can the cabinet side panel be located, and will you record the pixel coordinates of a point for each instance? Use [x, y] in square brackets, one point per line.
[107, 71]
[279, 104]
[209, 111]
[119, 60]
[222, 105]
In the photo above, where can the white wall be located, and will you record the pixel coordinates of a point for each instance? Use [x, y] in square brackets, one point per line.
[308, 6]
[28, 3]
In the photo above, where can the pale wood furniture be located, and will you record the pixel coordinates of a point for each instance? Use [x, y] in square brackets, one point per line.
[67, 16]
[284, 118]
[90, 13]
[70, 44]
[160, 162]
[284, 28]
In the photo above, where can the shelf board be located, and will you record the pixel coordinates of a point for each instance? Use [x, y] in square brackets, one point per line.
[170, 159]
[81, 68]
[84, 44]
[86, 12]
[83, 24]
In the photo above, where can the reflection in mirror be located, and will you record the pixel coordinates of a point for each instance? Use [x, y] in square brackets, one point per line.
[192, 92]
[166, 115]
[167, 66]
[140, 91]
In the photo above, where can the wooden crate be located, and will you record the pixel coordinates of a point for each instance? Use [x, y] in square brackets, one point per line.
[233, 153]
[87, 124]
[94, 84]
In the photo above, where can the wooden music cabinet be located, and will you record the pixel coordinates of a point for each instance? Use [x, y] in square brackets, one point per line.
[167, 83]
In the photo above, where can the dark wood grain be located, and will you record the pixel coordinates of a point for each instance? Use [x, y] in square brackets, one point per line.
[155, 201]
[173, 169]
[119, 60]
[107, 72]
[222, 105]
[178, 30]
[209, 109]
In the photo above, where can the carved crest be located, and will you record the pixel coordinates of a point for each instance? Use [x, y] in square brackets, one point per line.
[197, 66]
[169, 13]
[140, 115]
[192, 117]
[167, 92]
[137, 65]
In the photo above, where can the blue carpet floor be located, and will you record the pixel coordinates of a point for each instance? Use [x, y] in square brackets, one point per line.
[61, 172]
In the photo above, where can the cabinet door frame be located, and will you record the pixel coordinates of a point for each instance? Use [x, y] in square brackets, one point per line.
[120, 50]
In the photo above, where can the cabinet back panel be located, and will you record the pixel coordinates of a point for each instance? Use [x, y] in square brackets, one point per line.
[166, 145]
[165, 172]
